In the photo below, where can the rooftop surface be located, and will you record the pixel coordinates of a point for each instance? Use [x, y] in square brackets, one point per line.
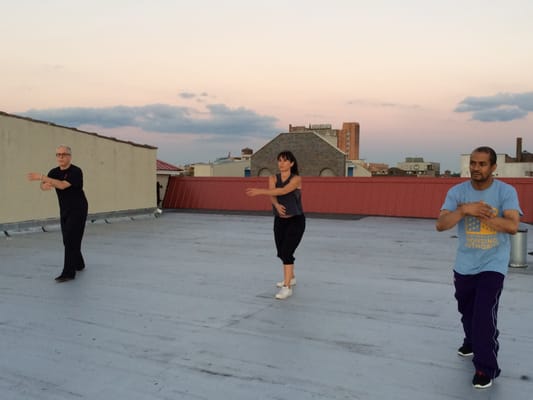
[182, 307]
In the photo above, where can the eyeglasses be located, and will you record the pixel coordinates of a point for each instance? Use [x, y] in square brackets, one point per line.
[62, 154]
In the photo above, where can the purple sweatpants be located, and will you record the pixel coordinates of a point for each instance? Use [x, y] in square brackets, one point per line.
[477, 301]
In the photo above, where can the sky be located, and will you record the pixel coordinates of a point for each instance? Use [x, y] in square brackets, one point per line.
[202, 79]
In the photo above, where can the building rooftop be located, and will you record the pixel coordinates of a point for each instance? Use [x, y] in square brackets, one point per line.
[4, 114]
[164, 166]
[182, 307]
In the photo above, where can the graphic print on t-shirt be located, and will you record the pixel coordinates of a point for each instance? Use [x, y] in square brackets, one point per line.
[479, 235]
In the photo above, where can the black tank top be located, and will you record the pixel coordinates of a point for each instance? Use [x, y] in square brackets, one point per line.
[291, 201]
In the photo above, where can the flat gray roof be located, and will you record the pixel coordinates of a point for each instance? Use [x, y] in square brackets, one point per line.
[182, 307]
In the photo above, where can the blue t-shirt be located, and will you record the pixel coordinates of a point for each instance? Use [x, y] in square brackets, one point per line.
[480, 247]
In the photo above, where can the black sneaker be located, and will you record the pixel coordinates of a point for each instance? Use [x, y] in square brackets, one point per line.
[465, 350]
[63, 278]
[481, 381]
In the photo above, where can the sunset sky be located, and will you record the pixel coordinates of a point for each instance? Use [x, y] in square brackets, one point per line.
[203, 78]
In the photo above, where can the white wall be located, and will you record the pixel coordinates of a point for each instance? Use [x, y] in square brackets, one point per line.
[232, 168]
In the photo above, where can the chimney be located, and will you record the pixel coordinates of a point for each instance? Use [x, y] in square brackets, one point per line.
[519, 149]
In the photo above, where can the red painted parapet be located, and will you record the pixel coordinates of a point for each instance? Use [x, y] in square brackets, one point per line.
[394, 196]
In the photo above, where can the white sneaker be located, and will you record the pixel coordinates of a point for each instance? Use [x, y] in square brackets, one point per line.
[284, 293]
[280, 284]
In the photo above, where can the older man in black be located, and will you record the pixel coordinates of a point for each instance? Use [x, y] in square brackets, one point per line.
[67, 180]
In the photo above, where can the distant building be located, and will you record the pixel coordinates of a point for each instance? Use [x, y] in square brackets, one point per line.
[315, 154]
[348, 140]
[357, 168]
[507, 167]
[164, 172]
[378, 169]
[246, 153]
[394, 171]
[417, 166]
[345, 139]
[164, 168]
[324, 130]
[225, 166]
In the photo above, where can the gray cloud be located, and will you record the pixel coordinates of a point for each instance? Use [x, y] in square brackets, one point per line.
[190, 95]
[383, 104]
[187, 95]
[218, 119]
[499, 114]
[500, 107]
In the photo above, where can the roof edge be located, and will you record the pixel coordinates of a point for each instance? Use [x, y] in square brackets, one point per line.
[147, 146]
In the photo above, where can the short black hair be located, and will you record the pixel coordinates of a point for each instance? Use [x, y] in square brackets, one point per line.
[489, 150]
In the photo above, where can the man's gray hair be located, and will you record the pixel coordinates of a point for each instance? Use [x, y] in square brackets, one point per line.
[65, 147]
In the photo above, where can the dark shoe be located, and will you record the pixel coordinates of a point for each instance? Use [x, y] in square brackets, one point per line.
[481, 381]
[80, 269]
[62, 278]
[465, 350]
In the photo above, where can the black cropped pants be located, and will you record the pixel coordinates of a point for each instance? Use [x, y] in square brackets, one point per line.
[288, 233]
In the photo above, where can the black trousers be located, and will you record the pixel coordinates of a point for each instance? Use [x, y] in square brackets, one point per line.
[288, 233]
[72, 229]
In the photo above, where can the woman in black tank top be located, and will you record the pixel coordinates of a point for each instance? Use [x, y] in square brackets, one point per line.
[284, 190]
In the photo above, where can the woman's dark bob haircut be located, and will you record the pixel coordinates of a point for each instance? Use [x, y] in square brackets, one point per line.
[287, 155]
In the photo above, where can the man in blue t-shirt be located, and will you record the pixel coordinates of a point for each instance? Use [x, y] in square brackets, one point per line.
[485, 211]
